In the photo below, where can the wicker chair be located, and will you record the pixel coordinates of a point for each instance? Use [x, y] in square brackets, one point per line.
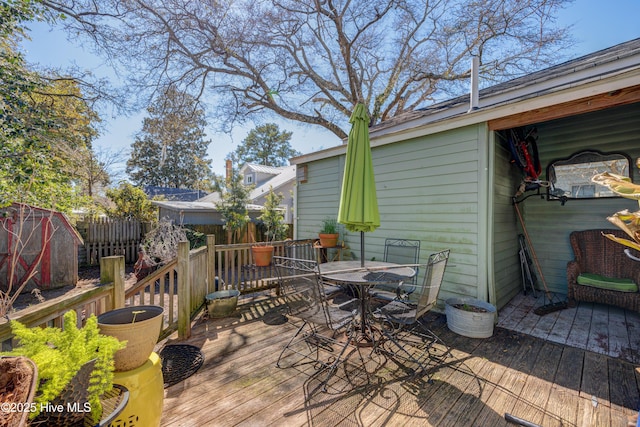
[596, 254]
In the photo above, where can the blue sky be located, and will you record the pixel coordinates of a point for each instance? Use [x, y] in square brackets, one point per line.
[596, 26]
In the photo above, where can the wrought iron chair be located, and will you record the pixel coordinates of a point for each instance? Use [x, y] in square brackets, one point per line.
[398, 251]
[300, 249]
[304, 249]
[401, 318]
[304, 294]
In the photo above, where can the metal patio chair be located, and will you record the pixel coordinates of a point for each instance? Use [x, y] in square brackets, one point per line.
[300, 249]
[321, 320]
[401, 319]
[304, 249]
[398, 251]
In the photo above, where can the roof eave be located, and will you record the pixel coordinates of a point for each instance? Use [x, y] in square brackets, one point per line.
[572, 82]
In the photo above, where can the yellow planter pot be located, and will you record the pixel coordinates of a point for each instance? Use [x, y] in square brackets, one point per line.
[146, 394]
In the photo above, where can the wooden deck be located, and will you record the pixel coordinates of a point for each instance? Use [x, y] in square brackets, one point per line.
[538, 380]
[598, 328]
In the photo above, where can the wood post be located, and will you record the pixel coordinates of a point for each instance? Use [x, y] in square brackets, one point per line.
[211, 263]
[184, 291]
[112, 270]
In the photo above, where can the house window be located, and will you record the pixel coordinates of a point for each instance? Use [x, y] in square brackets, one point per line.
[248, 180]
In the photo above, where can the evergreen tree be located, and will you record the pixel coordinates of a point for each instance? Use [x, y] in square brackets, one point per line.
[265, 145]
[170, 150]
[234, 198]
[46, 126]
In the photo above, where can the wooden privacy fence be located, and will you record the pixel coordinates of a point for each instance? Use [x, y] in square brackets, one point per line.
[104, 237]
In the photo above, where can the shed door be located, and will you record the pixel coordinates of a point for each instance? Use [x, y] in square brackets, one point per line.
[25, 249]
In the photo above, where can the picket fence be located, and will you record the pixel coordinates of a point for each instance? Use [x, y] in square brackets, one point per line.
[104, 237]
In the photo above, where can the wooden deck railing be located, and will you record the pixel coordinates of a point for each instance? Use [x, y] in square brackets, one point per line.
[179, 286]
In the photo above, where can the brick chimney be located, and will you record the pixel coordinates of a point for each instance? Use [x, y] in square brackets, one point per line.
[228, 170]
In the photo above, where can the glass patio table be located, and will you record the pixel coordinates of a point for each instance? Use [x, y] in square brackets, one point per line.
[361, 279]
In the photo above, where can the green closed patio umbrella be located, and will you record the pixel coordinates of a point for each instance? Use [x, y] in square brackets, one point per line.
[358, 201]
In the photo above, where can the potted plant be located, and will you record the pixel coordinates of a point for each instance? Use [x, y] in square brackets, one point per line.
[627, 221]
[74, 368]
[139, 326]
[272, 218]
[470, 317]
[18, 384]
[329, 233]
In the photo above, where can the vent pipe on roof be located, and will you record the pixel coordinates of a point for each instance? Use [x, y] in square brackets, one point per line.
[475, 64]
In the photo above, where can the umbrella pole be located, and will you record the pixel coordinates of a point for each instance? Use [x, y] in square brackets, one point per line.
[362, 249]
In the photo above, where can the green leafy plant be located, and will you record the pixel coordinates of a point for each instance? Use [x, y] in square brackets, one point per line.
[329, 226]
[470, 308]
[272, 217]
[60, 353]
[131, 202]
[234, 197]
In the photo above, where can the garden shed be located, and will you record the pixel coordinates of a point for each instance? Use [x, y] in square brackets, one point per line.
[444, 174]
[39, 240]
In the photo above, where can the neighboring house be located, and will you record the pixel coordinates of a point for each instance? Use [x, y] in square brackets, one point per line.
[175, 194]
[443, 173]
[203, 211]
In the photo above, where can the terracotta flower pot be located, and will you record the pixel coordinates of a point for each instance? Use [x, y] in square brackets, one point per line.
[262, 255]
[328, 240]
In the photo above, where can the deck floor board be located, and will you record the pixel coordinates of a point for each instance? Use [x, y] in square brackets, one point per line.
[579, 371]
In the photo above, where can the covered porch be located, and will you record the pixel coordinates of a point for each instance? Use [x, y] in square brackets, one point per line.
[545, 381]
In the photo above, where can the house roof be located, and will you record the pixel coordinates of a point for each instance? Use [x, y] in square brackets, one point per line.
[197, 206]
[208, 203]
[271, 170]
[594, 66]
[604, 71]
[38, 213]
[210, 198]
[285, 176]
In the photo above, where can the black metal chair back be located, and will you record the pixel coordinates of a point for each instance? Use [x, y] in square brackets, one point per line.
[300, 249]
[427, 294]
[402, 251]
[412, 339]
[301, 281]
[304, 292]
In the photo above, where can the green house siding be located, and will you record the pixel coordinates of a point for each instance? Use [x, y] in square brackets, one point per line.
[428, 189]
[549, 224]
[454, 190]
[506, 267]
[318, 196]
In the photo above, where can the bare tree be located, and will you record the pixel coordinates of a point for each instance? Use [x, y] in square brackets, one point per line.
[312, 60]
